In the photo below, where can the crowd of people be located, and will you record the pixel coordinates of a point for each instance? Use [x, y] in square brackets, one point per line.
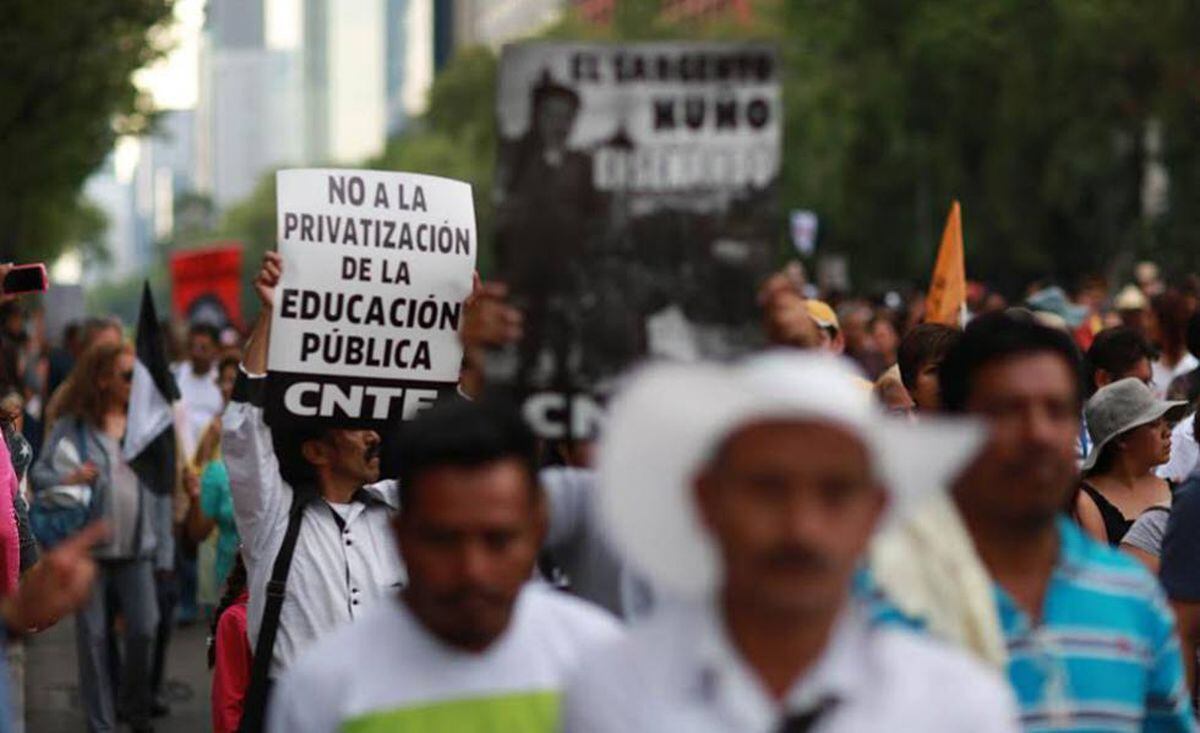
[876, 524]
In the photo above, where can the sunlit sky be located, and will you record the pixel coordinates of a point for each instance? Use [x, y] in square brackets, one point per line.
[174, 81]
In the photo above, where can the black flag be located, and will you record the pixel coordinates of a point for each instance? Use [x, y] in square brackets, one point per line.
[150, 427]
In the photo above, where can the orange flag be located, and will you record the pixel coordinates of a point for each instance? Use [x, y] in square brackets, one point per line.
[948, 289]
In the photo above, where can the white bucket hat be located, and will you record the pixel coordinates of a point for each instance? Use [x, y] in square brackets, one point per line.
[664, 425]
[1119, 407]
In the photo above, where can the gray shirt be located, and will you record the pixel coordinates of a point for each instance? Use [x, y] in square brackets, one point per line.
[123, 493]
[1148, 531]
[575, 543]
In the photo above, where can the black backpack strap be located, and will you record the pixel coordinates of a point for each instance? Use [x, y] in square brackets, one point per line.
[255, 706]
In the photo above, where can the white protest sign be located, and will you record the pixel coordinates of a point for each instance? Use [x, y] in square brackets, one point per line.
[376, 266]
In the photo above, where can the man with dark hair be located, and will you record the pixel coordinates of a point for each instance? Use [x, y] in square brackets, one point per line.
[1090, 639]
[343, 560]
[470, 644]
[1115, 354]
[751, 508]
[197, 379]
[920, 357]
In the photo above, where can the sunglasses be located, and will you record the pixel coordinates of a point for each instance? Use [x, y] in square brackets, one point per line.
[127, 376]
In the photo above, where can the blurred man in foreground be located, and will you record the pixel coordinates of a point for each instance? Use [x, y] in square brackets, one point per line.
[1090, 640]
[470, 645]
[774, 472]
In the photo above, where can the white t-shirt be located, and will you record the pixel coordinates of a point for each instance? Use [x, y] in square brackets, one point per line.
[201, 398]
[386, 672]
[1184, 452]
[678, 671]
[1162, 375]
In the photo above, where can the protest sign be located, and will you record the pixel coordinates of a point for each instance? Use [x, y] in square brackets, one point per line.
[636, 212]
[376, 267]
[206, 285]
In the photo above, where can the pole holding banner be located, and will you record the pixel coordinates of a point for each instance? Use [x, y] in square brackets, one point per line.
[376, 266]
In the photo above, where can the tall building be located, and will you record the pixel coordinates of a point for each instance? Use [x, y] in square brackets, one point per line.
[111, 189]
[248, 112]
[345, 79]
[493, 23]
[315, 82]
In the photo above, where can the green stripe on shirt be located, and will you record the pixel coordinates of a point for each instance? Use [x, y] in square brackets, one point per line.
[521, 712]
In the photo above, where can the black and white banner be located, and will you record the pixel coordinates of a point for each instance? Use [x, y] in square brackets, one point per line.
[149, 444]
[376, 266]
[636, 192]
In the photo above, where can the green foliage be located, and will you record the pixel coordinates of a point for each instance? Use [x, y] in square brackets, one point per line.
[1034, 114]
[65, 94]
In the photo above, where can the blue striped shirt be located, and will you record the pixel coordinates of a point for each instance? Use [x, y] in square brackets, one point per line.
[1104, 656]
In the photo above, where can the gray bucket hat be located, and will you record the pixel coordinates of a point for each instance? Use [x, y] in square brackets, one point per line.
[1120, 407]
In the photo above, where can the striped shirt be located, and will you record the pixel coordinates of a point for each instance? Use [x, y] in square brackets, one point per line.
[1104, 655]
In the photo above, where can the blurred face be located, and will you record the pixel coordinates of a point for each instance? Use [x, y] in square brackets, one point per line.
[885, 337]
[791, 506]
[107, 335]
[855, 332]
[556, 116]
[352, 455]
[1148, 445]
[119, 380]
[202, 350]
[1027, 470]
[927, 391]
[470, 538]
[225, 381]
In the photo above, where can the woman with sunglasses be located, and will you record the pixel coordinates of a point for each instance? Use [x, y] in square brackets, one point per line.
[85, 448]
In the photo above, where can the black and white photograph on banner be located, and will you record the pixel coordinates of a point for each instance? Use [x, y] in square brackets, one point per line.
[635, 205]
[376, 268]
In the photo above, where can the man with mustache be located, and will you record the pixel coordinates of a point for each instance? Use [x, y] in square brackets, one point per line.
[747, 496]
[470, 645]
[1089, 637]
[312, 514]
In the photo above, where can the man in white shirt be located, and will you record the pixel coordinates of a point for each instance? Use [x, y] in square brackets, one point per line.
[469, 645]
[344, 561]
[197, 379]
[749, 493]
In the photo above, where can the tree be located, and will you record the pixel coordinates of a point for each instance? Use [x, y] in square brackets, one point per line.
[66, 92]
[1034, 114]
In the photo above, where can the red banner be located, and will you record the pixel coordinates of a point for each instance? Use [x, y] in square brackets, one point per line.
[206, 285]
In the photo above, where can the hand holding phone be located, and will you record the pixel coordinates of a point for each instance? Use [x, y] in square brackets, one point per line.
[25, 279]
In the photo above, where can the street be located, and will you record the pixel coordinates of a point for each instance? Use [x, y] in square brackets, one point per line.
[52, 686]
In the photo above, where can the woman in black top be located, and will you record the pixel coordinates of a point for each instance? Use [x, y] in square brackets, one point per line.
[1131, 432]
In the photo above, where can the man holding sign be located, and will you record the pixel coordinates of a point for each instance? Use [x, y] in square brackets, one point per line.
[358, 328]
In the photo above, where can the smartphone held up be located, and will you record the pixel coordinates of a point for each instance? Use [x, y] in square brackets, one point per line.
[22, 279]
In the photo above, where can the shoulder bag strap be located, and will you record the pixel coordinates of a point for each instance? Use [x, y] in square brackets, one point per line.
[255, 707]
